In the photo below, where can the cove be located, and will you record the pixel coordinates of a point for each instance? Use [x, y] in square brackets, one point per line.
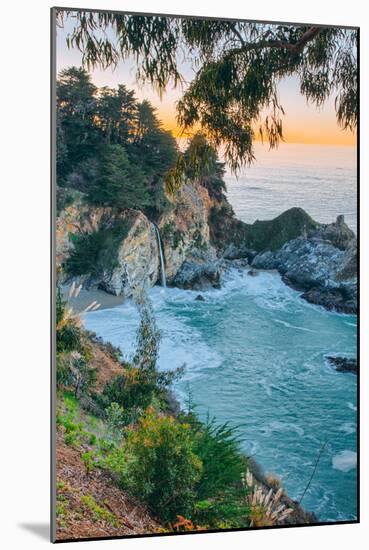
[255, 356]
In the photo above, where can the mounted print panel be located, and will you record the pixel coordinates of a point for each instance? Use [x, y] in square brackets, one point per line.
[205, 274]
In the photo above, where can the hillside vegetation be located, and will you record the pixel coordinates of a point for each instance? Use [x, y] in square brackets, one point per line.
[129, 460]
[110, 146]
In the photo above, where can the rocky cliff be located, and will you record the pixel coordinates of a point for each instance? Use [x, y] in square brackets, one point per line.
[321, 263]
[136, 254]
[199, 235]
[190, 258]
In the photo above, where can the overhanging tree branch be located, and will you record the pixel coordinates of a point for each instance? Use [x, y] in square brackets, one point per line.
[292, 48]
[238, 69]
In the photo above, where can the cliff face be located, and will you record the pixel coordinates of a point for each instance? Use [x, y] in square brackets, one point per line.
[137, 259]
[185, 227]
[76, 219]
[136, 256]
[185, 237]
[199, 232]
[191, 259]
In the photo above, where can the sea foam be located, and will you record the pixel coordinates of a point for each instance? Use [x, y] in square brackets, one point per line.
[345, 461]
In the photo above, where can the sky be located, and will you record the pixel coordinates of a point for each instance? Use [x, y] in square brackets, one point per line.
[303, 123]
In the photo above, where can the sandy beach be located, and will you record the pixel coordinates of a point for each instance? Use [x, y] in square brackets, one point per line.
[86, 297]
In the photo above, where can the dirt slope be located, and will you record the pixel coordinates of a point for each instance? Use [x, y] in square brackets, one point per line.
[89, 505]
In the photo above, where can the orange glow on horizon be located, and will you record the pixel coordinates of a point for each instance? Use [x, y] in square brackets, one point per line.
[303, 122]
[329, 134]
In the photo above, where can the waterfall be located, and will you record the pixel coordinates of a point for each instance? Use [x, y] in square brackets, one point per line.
[161, 255]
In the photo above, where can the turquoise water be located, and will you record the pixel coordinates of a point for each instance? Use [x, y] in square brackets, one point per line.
[254, 354]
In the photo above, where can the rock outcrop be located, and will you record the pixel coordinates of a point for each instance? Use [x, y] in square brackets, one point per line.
[336, 233]
[200, 237]
[136, 256]
[322, 264]
[189, 255]
[343, 364]
[201, 270]
[78, 218]
[236, 239]
[137, 260]
[190, 259]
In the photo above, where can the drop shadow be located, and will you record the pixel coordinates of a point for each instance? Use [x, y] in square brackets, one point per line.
[42, 530]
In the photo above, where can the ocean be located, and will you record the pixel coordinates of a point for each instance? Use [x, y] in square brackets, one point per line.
[321, 179]
[255, 352]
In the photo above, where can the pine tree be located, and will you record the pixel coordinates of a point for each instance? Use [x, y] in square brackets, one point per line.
[118, 182]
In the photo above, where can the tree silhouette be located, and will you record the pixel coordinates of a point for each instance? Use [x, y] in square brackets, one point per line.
[239, 66]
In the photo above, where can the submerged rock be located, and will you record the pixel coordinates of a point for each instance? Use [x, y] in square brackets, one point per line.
[252, 272]
[240, 263]
[343, 364]
[200, 298]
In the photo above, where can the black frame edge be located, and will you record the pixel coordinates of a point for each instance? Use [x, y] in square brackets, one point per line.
[53, 275]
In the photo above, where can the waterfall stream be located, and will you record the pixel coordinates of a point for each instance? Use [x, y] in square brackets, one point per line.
[161, 255]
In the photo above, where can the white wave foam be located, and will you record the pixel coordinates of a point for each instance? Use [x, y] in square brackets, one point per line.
[282, 427]
[266, 289]
[180, 344]
[348, 428]
[289, 325]
[200, 334]
[345, 461]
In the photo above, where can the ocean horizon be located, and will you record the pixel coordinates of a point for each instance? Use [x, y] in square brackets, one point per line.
[321, 179]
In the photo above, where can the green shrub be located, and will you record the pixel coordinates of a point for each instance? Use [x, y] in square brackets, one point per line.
[68, 333]
[83, 376]
[63, 374]
[114, 460]
[96, 252]
[68, 417]
[68, 338]
[88, 460]
[220, 492]
[224, 512]
[116, 419]
[223, 464]
[73, 371]
[140, 382]
[170, 233]
[64, 198]
[163, 469]
[136, 387]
